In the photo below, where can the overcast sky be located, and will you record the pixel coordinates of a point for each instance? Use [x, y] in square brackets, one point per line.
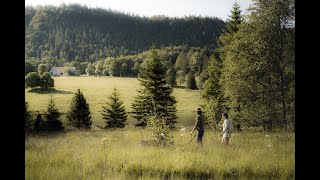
[171, 8]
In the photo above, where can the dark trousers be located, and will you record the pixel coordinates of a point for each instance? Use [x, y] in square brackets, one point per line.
[199, 136]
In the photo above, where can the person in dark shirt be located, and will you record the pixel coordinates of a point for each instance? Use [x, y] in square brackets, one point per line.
[199, 126]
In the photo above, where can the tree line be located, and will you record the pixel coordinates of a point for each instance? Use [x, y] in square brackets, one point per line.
[183, 65]
[56, 35]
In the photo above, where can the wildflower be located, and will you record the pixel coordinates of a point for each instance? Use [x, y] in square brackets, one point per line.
[183, 129]
[267, 136]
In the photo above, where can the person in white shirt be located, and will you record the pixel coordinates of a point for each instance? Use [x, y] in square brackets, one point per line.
[226, 133]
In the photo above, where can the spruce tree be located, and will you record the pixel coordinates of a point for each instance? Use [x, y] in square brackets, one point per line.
[212, 94]
[216, 91]
[114, 113]
[39, 123]
[27, 119]
[154, 97]
[52, 116]
[79, 115]
[191, 81]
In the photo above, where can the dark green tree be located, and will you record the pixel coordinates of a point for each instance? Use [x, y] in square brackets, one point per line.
[29, 68]
[83, 67]
[171, 77]
[191, 81]
[216, 90]
[90, 70]
[39, 123]
[114, 112]
[27, 120]
[155, 97]
[181, 76]
[32, 80]
[181, 62]
[46, 81]
[212, 94]
[79, 115]
[52, 118]
[42, 68]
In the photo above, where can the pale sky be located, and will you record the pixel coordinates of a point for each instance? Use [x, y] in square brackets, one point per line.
[171, 8]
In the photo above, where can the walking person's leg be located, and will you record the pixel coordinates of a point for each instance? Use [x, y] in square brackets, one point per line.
[227, 140]
[199, 137]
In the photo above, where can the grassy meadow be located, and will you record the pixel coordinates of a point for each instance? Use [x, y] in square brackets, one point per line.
[117, 154]
[96, 91]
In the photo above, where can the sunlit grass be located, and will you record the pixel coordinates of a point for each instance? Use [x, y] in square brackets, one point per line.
[117, 154]
[84, 155]
[97, 89]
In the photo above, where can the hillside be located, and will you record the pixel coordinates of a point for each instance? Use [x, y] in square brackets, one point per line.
[77, 33]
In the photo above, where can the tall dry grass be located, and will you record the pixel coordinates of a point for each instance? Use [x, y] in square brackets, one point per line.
[117, 154]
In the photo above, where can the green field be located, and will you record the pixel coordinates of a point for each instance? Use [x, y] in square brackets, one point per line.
[77, 154]
[84, 155]
[97, 89]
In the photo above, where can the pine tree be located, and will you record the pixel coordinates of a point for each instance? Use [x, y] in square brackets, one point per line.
[114, 113]
[27, 119]
[155, 97]
[39, 123]
[79, 115]
[217, 90]
[212, 94]
[191, 81]
[52, 121]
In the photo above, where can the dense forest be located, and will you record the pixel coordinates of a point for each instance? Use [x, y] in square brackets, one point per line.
[55, 35]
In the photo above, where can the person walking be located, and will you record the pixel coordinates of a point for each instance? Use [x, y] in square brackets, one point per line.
[226, 129]
[199, 126]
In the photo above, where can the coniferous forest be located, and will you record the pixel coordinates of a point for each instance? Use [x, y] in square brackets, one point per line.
[57, 35]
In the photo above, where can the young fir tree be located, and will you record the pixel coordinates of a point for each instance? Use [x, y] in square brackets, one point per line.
[191, 81]
[114, 113]
[27, 119]
[155, 97]
[79, 115]
[52, 116]
[39, 123]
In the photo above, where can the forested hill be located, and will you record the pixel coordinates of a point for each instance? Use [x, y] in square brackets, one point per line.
[73, 32]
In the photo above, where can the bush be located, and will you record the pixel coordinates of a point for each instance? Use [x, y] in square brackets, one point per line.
[32, 80]
[160, 131]
[46, 81]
